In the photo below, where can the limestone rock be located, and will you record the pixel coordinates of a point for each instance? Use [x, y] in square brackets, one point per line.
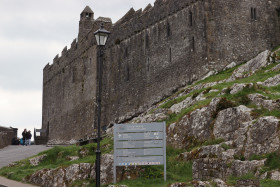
[12, 164]
[239, 87]
[60, 176]
[240, 168]
[211, 168]
[251, 66]
[220, 183]
[230, 125]
[231, 65]
[84, 152]
[263, 136]
[178, 184]
[276, 68]
[195, 126]
[210, 73]
[176, 108]
[150, 118]
[36, 160]
[197, 183]
[210, 151]
[248, 183]
[272, 81]
[275, 175]
[72, 158]
[106, 168]
[260, 100]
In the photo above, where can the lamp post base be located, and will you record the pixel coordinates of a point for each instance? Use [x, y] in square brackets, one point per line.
[97, 167]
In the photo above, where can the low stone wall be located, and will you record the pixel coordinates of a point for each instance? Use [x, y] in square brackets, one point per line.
[6, 138]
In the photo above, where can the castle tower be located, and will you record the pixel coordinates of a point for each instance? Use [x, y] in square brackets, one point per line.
[86, 22]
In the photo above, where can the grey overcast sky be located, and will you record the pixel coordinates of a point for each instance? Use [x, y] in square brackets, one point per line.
[32, 32]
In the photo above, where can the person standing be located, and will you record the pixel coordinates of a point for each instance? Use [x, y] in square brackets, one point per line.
[28, 137]
[24, 133]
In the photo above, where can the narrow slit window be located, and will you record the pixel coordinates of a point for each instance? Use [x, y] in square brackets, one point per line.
[127, 74]
[170, 54]
[278, 11]
[168, 30]
[193, 44]
[253, 13]
[191, 18]
[148, 64]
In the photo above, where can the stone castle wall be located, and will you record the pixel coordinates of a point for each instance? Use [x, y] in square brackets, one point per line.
[175, 43]
[150, 54]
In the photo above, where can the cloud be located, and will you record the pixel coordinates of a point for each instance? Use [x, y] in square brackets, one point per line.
[22, 62]
[20, 109]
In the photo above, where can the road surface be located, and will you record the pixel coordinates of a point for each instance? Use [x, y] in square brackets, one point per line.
[13, 153]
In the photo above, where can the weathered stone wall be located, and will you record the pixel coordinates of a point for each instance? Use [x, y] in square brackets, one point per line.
[69, 90]
[176, 42]
[150, 54]
[6, 136]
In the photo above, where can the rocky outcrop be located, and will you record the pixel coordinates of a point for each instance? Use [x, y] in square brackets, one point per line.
[263, 101]
[192, 127]
[239, 87]
[148, 118]
[211, 168]
[176, 108]
[230, 123]
[263, 136]
[272, 81]
[65, 176]
[275, 175]
[61, 176]
[36, 160]
[249, 68]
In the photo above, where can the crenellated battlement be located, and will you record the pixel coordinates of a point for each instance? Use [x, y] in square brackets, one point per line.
[135, 21]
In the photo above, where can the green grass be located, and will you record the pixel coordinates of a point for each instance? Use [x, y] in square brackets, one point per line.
[220, 76]
[232, 180]
[213, 142]
[56, 157]
[177, 171]
[152, 175]
[225, 146]
[258, 157]
[272, 162]
[269, 183]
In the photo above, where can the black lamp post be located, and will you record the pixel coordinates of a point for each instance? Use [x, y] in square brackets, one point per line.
[101, 36]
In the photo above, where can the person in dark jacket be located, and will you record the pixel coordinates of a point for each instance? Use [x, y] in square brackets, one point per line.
[28, 138]
[24, 133]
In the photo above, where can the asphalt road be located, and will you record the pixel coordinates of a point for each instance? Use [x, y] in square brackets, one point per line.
[13, 153]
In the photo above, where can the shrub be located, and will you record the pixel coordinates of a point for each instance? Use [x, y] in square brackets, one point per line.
[244, 100]
[207, 90]
[223, 104]
[225, 146]
[195, 95]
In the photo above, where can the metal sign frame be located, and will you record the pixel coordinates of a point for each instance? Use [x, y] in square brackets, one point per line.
[139, 144]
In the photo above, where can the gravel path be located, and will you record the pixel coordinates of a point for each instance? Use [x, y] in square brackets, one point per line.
[14, 153]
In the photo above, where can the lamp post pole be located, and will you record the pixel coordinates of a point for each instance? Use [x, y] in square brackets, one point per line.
[101, 36]
[98, 152]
